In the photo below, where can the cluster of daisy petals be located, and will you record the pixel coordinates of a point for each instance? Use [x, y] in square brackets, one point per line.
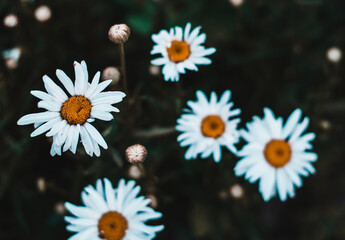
[276, 154]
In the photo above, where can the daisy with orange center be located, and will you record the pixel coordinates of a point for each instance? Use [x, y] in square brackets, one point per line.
[208, 126]
[112, 214]
[276, 155]
[180, 50]
[68, 117]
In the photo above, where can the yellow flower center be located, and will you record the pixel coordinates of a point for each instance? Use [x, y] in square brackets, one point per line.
[277, 153]
[112, 226]
[76, 110]
[178, 51]
[212, 126]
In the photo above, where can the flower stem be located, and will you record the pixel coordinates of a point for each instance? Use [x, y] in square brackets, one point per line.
[123, 67]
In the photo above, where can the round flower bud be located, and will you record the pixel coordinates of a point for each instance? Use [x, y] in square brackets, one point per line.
[136, 153]
[11, 63]
[119, 33]
[43, 13]
[154, 70]
[41, 184]
[112, 73]
[236, 3]
[325, 125]
[236, 191]
[334, 54]
[134, 172]
[154, 201]
[11, 21]
[60, 208]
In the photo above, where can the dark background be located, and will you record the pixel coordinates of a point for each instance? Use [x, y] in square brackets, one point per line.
[269, 53]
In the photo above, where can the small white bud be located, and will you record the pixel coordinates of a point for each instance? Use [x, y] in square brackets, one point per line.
[43, 13]
[334, 54]
[11, 21]
[236, 191]
[119, 33]
[112, 73]
[136, 153]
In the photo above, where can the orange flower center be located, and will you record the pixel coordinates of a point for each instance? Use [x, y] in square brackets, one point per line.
[76, 110]
[277, 153]
[112, 226]
[212, 126]
[178, 51]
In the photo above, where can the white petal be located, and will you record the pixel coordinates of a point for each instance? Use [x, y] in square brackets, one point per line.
[96, 135]
[54, 89]
[37, 117]
[80, 80]
[66, 81]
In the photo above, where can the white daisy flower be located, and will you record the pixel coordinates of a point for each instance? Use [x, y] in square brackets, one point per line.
[207, 126]
[276, 155]
[67, 117]
[112, 214]
[180, 50]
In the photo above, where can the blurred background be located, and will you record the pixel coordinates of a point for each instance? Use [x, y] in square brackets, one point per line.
[280, 54]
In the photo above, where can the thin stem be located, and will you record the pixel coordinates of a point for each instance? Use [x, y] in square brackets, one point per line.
[123, 67]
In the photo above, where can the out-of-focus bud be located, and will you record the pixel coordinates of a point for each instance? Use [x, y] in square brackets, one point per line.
[60, 208]
[154, 70]
[119, 33]
[41, 184]
[11, 63]
[334, 54]
[134, 172]
[43, 13]
[11, 57]
[325, 125]
[236, 191]
[236, 3]
[154, 200]
[136, 153]
[11, 20]
[222, 194]
[112, 73]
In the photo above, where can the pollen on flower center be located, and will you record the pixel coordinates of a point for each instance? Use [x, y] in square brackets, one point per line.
[277, 153]
[76, 110]
[212, 126]
[178, 51]
[112, 226]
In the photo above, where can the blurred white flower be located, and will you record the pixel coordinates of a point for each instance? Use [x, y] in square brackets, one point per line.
[135, 172]
[11, 20]
[13, 53]
[334, 54]
[112, 214]
[236, 3]
[180, 50]
[43, 13]
[276, 155]
[207, 126]
[11, 57]
[236, 191]
[68, 117]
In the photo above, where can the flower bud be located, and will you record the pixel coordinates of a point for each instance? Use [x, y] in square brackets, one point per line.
[43, 13]
[236, 3]
[134, 172]
[136, 153]
[236, 191]
[119, 33]
[41, 184]
[112, 73]
[11, 21]
[334, 54]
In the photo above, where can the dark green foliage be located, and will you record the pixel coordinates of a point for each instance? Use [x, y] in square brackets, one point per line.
[269, 53]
